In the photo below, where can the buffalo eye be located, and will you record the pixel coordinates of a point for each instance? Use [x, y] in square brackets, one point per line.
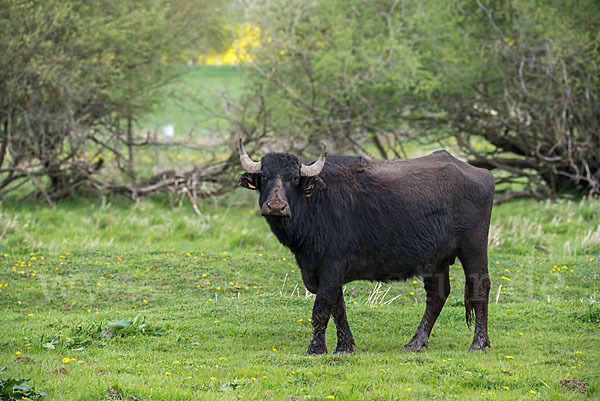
[263, 176]
[295, 179]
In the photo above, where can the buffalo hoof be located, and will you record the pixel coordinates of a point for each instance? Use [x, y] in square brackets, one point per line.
[410, 347]
[344, 351]
[480, 347]
[314, 349]
[416, 344]
[480, 343]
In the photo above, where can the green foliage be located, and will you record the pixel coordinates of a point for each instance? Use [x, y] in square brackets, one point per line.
[126, 327]
[592, 315]
[75, 75]
[337, 69]
[513, 83]
[89, 332]
[16, 389]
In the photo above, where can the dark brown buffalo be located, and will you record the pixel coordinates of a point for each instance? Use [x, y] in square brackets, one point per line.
[348, 218]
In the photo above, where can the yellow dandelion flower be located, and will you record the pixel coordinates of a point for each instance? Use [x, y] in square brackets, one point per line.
[407, 389]
[253, 378]
[506, 387]
[509, 357]
[213, 378]
[274, 349]
[468, 372]
[18, 352]
[66, 360]
[330, 397]
[168, 373]
[176, 362]
[532, 391]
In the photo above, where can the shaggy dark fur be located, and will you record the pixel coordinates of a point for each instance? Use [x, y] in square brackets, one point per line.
[381, 221]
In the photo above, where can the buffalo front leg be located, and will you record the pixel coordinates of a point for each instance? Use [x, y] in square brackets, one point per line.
[330, 301]
[345, 340]
[437, 287]
[320, 318]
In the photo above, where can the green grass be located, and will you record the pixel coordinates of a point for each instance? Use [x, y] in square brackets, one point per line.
[198, 88]
[68, 272]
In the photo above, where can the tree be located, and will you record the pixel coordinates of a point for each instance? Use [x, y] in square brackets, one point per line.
[335, 70]
[514, 83]
[74, 75]
[521, 90]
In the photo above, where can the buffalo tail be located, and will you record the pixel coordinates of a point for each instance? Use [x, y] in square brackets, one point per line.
[468, 306]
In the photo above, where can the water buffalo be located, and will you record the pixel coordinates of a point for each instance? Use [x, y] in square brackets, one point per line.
[349, 218]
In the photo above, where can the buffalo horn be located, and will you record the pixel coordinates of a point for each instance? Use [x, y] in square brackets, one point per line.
[247, 163]
[315, 168]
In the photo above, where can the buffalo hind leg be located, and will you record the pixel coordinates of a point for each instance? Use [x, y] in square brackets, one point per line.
[477, 290]
[345, 340]
[437, 287]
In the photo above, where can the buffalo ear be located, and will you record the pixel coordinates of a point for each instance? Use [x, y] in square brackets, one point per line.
[247, 180]
[312, 184]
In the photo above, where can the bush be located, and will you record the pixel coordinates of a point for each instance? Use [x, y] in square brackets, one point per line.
[514, 84]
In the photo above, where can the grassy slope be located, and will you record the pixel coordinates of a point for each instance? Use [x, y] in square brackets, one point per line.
[243, 336]
[198, 86]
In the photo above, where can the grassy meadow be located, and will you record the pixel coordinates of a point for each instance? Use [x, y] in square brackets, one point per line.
[106, 299]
